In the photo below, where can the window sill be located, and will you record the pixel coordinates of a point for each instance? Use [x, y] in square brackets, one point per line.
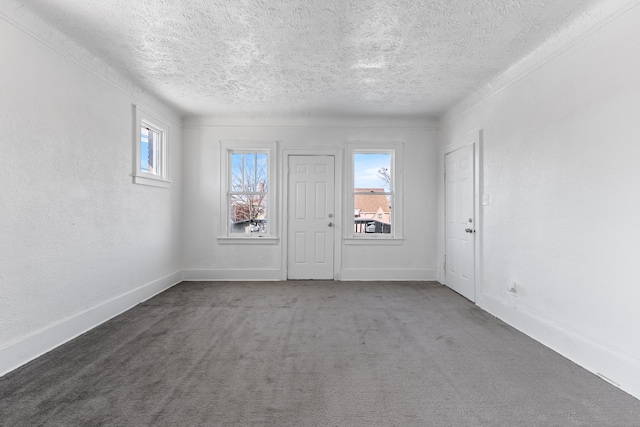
[248, 240]
[383, 241]
[155, 182]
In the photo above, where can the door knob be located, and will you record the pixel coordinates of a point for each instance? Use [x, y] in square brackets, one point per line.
[468, 230]
[330, 224]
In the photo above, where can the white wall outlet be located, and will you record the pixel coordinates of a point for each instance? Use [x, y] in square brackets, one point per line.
[485, 200]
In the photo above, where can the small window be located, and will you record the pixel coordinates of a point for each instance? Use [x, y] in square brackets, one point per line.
[248, 179]
[152, 151]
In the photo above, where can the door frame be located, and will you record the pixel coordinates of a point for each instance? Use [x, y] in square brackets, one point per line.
[476, 140]
[337, 154]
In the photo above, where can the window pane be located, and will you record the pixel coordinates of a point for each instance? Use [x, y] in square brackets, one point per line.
[144, 149]
[150, 151]
[372, 172]
[262, 167]
[372, 213]
[249, 172]
[237, 179]
[248, 214]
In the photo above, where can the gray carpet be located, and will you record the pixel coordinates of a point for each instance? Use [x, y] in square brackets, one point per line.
[308, 354]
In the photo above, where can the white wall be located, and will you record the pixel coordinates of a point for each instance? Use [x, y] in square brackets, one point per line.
[205, 258]
[562, 170]
[79, 242]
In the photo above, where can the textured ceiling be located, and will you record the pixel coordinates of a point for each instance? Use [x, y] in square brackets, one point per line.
[356, 57]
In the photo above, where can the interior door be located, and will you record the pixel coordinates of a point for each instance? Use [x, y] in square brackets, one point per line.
[460, 222]
[311, 206]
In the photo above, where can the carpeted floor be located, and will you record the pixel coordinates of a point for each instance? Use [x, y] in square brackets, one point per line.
[308, 354]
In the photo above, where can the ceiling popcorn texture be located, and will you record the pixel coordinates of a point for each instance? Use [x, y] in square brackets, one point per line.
[321, 57]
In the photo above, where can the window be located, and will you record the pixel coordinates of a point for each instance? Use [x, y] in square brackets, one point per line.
[372, 192]
[151, 143]
[374, 188]
[150, 149]
[248, 178]
[249, 194]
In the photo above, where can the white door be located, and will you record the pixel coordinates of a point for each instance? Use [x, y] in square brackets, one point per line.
[460, 222]
[310, 217]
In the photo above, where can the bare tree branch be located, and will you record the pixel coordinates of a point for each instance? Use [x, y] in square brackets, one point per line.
[383, 174]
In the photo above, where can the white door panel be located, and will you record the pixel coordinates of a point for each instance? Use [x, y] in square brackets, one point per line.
[460, 222]
[310, 217]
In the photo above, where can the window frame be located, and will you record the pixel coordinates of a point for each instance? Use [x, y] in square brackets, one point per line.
[395, 149]
[227, 148]
[161, 179]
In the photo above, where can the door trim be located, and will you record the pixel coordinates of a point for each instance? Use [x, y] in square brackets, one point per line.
[284, 204]
[475, 139]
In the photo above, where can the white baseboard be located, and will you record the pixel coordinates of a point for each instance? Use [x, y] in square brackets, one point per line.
[618, 369]
[377, 274]
[275, 274]
[231, 274]
[40, 342]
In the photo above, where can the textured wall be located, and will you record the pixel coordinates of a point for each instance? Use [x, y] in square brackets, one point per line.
[75, 232]
[561, 168]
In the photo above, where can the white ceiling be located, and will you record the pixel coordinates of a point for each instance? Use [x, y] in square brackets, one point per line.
[356, 57]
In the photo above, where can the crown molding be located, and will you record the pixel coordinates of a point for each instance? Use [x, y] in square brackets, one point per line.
[20, 16]
[320, 121]
[575, 31]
